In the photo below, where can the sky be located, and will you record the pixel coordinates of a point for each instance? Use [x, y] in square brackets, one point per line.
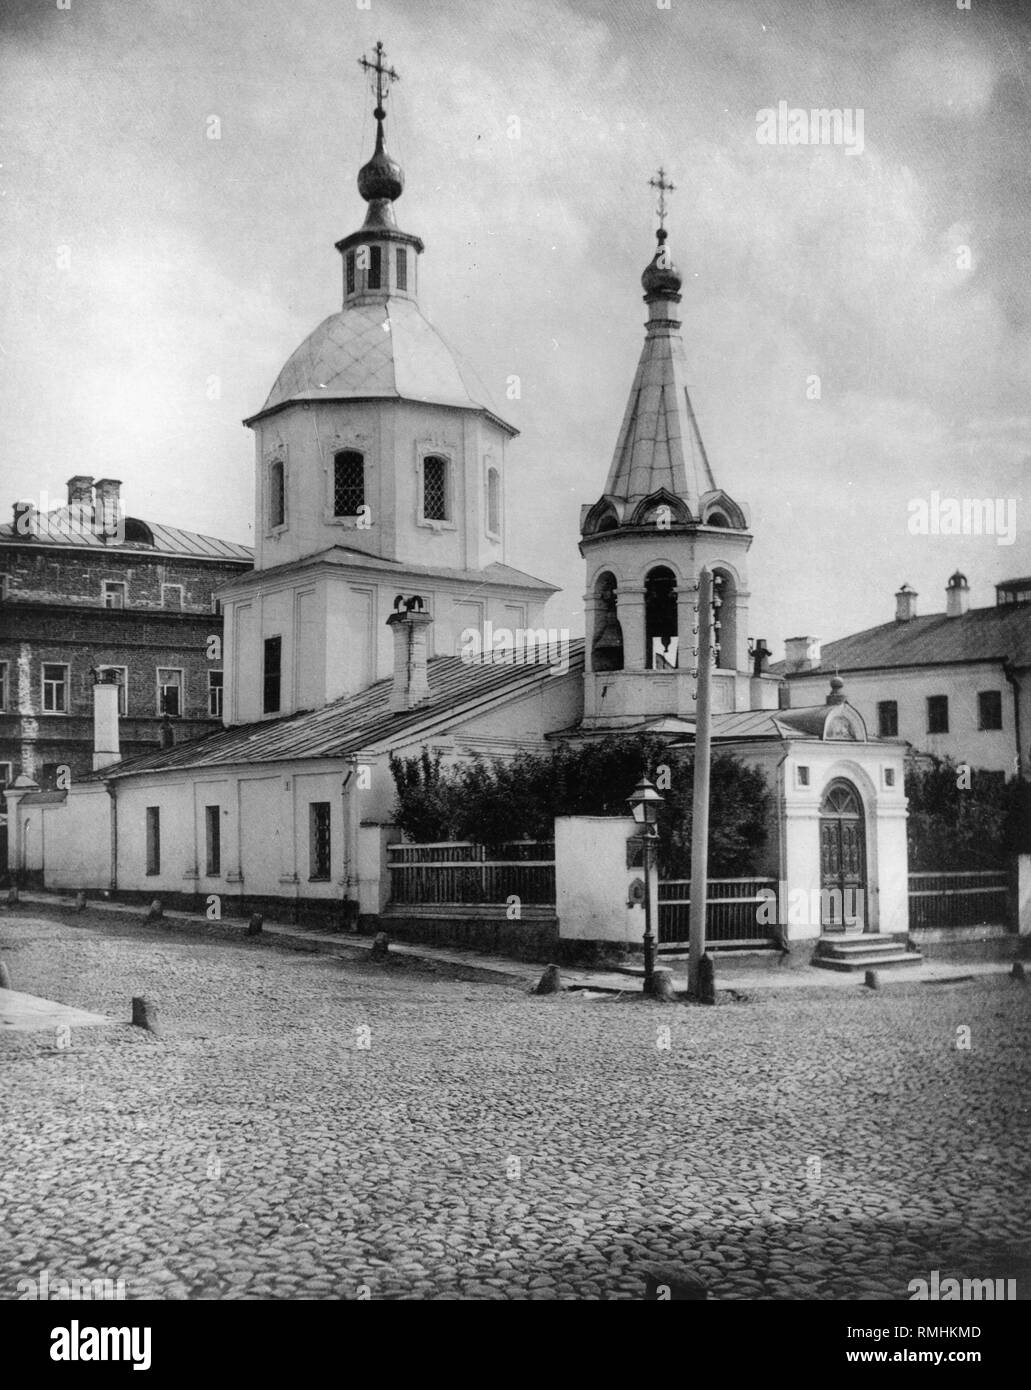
[156, 278]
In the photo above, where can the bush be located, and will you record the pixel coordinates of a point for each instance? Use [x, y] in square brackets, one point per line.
[491, 801]
[964, 820]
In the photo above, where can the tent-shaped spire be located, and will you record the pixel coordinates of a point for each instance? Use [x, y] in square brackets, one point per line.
[659, 444]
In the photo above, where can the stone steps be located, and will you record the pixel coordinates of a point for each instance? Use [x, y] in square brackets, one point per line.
[866, 951]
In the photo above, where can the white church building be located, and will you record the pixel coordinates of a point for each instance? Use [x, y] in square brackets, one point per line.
[380, 548]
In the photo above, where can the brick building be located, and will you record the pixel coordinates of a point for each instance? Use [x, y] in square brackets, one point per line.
[81, 587]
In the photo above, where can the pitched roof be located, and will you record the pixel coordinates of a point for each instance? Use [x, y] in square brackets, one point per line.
[357, 723]
[384, 349]
[1000, 633]
[344, 555]
[66, 526]
[659, 444]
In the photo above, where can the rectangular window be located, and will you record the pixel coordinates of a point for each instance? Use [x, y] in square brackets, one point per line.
[989, 709]
[55, 689]
[493, 501]
[803, 776]
[3, 685]
[213, 840]
[172, 596]
[888, 718]
[153, 839]
[216, 606]
[215, 688]
[889, 776]
[348, 483]
[349, 262]
[318, 840]
[937, 714]
[375, 267]
[122, 673]
[114, 593]
[434, 488]
[170, 692]
[402, 268]
[6, 775]
[273, 659]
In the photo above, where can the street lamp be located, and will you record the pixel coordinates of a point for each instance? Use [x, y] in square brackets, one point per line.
[644, 805]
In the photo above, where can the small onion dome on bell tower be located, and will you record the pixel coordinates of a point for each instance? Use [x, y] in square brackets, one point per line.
[661, 279]
[381, 181]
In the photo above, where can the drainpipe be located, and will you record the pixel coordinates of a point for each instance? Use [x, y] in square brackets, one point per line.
[1011, 676]
[349, 791]
[112, 788]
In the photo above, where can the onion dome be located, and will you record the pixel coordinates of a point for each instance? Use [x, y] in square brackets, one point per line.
[382, 177]
[661, 278]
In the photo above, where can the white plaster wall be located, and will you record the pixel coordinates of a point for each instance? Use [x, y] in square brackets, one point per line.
[175, 798]
[993, 750]
[77, 837]
[592, 880]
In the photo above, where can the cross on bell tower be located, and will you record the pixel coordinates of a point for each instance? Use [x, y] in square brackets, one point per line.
[663, 188]
[381, 72]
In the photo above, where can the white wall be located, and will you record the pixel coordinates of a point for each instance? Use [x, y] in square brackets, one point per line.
[592, 881]
[910, 687]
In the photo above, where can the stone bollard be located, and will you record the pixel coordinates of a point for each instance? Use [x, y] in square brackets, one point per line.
[255, 925]
[155, 910]
[1018, 972]
[550, 982]
[5, 976]
[144, 1015]
[706, 979]
[873, 980]
[12, 897]
[662, 985]
[380, 946]
[80, 902]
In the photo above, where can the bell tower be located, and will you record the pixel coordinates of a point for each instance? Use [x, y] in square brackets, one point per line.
[660, 518]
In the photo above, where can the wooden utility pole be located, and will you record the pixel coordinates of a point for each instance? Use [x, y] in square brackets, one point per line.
[700, 804]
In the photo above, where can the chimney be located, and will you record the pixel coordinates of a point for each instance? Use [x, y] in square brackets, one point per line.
[80, 491]
[108, 505]
[105, 719]
[801, 654]
[410, 626]
[905, 604]
[957, 596]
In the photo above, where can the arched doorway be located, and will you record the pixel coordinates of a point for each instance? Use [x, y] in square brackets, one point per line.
[660, 619]
[842, 859]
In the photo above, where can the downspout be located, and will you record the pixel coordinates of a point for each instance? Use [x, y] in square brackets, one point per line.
[112, 788]
[1011, 676]
[349, 790]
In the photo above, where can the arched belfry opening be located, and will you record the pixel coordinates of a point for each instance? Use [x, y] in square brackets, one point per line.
[660, 619]
[725, 590]
[607, 642]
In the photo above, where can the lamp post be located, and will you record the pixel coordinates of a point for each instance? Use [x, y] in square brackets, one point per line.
[644, 806]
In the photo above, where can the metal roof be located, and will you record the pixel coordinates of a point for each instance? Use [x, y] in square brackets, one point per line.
[386, 350]
[345, 555]
[1000, 633]
[361, 723]
[65, 526]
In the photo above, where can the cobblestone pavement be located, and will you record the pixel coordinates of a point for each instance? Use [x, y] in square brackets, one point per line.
[313, 1127]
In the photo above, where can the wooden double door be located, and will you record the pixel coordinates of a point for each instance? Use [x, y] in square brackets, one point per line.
[842, 859]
